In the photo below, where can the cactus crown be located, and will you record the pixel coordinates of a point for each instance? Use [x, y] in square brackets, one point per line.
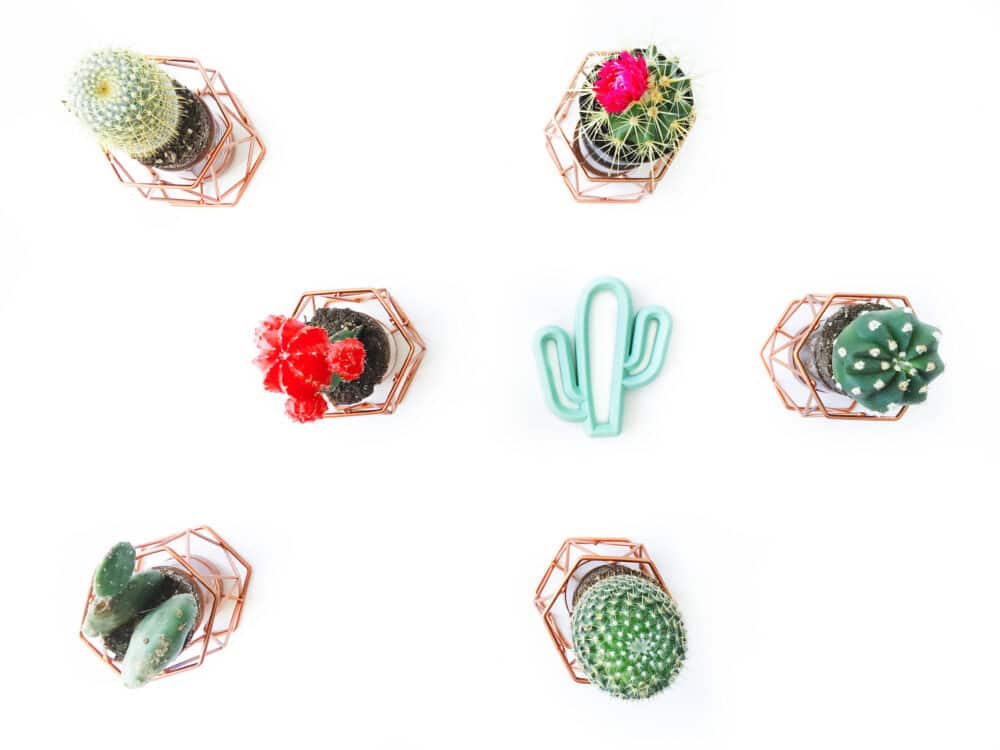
[127, 101]
[628, 635]
[649, 128]
[887, 359]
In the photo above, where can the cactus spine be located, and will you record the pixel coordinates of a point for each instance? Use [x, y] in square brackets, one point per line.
[886, 359]
[635, 362]
[127, 101]
[158, 639]
[628, 635]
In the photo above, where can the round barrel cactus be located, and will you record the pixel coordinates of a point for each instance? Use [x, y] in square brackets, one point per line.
[635, 108]
[887, 359]
[126, 100]
[627, 633]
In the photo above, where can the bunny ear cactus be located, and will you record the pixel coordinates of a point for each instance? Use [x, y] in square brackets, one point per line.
[635, 108]
[158, 639]
[628, 635]
[636, 361]
[126, 100]
[887, 359]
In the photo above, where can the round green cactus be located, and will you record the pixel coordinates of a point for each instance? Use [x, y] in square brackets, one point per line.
[647, 129]
[127, 101]
[887, 359]
[628, 635]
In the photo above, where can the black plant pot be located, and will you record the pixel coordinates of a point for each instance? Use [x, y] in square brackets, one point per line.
[378, 352]
[817, 353]
[195, 135]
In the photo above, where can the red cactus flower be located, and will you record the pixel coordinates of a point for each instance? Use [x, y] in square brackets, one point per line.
[295, 357]
[306, 409]
[347, 358]
[622, 80]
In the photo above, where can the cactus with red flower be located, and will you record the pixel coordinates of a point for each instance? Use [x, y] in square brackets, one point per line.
[635, 107]
[302, 361]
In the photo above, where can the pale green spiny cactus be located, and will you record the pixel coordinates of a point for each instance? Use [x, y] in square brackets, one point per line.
[128, 102]
[628, 635]
[887, 359]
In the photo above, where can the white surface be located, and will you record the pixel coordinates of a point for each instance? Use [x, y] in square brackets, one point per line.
[838, 580]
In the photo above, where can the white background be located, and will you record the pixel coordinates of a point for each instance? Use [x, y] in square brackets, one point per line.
[839, 581]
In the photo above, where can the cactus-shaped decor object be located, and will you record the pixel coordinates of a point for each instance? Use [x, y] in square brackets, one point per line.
[627, 632]
[636, 361]
[635, 108]
[884, 359]
[132, 105]
[144, 619]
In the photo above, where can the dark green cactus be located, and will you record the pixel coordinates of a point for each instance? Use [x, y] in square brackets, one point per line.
[115, 570]
[887, 359]
[136, 596]
[627, 633]
[158, 639]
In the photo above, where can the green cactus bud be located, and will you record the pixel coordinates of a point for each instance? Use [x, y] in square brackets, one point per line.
[158, 639]
[647, 129]
[128, 102]
[886, 359]
[108, 612]
[627, 633]
[115, 570]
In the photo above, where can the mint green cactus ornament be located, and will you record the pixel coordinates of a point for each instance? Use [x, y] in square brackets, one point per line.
[887, 359]
[636, 361]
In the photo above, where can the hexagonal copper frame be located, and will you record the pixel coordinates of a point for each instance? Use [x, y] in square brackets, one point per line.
[399, 328]
[218, 183]
[222, 576]
[780, 354]
[583, 183]
[552, 596]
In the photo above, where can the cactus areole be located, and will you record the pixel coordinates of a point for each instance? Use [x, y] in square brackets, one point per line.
[130, 104]
[635, 107]
[628, 635]
[883, 358]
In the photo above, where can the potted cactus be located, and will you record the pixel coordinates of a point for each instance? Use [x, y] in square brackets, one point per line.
[627, 633]
[883, 358]
[143, 619]
[334, 360]
[636, 107]
[132, 105]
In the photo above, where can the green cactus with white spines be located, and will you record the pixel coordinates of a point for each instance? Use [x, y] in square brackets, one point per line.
[127, 101]
[887, 359]
[158, 639]
[628, 635]
[649, 128]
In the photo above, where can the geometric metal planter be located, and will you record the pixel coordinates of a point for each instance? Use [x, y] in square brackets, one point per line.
[584, 183]
[221, 576]
[219, 179]
[408, 347]
[576, 557]
[781, 355]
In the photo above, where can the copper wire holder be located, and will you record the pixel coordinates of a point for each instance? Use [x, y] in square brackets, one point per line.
[568, 567]
[791, 379]
[584, 183]
[226, 169]
[224, 591]
[399, 328]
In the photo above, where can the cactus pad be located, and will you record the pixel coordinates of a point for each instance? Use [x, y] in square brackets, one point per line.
[109, 612]
[115, 570]
[887, 359]
[158, 639]
[628, 635]
[126, 100]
